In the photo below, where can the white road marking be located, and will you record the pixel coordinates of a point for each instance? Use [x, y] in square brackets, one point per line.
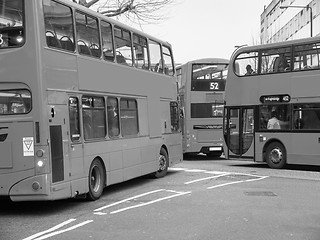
[242, 181]
[206, 178]
[195, 170]
[150, 202]
[127, 199]
[51, 232]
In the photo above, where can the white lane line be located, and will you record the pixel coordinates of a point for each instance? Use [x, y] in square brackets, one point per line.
[177, 169]
[127, 199]
[65, 230]
[195, 170]
[242, 181]
[206, 178]
[224, 184]
[151, 202]
[50, 230]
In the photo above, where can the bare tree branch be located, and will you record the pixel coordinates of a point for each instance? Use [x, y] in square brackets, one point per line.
[137, 11]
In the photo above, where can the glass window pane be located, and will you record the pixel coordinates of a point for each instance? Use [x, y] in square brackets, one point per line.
[12, 33]
[58, 34]
[174, 115]
[16, 101]
[207, 110]
[123, 46]
[107, 42]
[93, 113]
[274, 117]
[246, 64]
[113, 117]
[276, 60]
[306, 116]
[155, 57]
[140, 50]
[167, 61]
[306, 57]
[74, 119]
[129, 117]
[209, 77]
[87, 35]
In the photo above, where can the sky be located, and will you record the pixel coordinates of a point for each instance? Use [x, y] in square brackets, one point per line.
[209, 28]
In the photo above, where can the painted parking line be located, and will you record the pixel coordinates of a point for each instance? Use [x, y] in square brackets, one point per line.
[235, 182]
[172, 195]
[206, 178]
[52, 231]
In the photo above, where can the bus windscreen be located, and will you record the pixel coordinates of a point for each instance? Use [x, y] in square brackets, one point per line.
[11, 23]
[209, 77]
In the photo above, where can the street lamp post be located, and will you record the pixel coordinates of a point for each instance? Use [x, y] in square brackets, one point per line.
[306, 7]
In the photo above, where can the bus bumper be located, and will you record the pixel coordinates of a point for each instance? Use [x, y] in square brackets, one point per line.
[31, 189]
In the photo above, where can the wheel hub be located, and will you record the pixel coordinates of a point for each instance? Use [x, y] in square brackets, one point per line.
[276, 155]
[162, 163]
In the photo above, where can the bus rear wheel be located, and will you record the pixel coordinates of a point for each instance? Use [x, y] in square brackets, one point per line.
[163, 164]
[276, 156]
[96, 180]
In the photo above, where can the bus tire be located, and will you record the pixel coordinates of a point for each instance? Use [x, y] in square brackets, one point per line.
[163, 164]
[96, 180]
[276, 156]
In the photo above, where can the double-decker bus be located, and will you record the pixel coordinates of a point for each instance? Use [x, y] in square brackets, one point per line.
[273, 103]
[85, 102]
[201, 91]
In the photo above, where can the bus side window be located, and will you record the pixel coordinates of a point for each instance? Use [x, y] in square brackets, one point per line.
[74, 119]
[140, 49]
[129, 117]
[306, 57]
[107, 41]
[58, 35]
[306, 116]
[113, 117]
[243, 61]
[155, 57]
[123, 46]
[87, 35]
[167, 61]
[93, 114]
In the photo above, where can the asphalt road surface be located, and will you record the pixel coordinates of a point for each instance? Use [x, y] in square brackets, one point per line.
[200, 198]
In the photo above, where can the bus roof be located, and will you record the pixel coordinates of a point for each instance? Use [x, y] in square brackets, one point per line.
[208, 60]
[110, 20]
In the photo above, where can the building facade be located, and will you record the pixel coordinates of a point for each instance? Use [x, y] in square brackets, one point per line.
[284, 20]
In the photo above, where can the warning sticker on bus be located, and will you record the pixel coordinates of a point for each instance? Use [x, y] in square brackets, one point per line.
[28, 147]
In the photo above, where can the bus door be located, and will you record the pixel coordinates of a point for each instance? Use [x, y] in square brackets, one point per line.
[240, 132]
[59, 143]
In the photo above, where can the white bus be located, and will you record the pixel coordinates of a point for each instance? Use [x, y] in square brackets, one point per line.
[201, 92]
[85, 102]
[273, 110]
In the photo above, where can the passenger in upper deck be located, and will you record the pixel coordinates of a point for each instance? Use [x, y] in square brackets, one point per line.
[249, 70]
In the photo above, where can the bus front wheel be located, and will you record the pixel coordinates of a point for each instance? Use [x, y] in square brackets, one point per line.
[96, 180]
[276, 156]
[163, 164]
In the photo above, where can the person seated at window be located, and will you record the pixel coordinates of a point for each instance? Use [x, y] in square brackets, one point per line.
[249, 70]
[273, 122]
